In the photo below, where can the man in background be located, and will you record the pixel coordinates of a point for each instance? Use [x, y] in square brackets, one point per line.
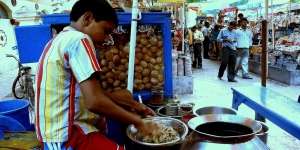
[228, 38]
[244, 42]
[206, 32]
[198, 39]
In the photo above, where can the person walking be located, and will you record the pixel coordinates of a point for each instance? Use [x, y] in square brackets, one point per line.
[206, 42]
[228, 38]
[244, 42]
[198, 39]
[215, 47]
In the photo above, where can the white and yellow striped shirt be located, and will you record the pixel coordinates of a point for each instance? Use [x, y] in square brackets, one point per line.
[67, 60]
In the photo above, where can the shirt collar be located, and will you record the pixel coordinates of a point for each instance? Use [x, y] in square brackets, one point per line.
[69, 28]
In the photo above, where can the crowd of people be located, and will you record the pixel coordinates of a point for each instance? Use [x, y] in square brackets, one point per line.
[229, 44]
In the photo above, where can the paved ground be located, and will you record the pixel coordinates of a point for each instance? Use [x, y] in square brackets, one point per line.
[210, 91]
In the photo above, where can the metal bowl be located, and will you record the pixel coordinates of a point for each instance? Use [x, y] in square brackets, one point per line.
[178, 125]
[214, 110]
[235, 124]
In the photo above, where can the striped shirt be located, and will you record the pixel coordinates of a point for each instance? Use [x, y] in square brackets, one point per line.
[66, 61]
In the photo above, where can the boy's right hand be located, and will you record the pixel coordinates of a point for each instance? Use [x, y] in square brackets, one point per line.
[147, 128]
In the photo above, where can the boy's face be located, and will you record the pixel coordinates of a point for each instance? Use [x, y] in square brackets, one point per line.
[98, 31]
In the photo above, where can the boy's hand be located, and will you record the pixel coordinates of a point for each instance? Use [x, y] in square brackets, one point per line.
[125, 98]
[143, 110]
[147, 128]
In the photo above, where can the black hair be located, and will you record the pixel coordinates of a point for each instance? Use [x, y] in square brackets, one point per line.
[244, 19]
[217, 27]
[101, 10]
[206, 24]
[232, 23]
[193, 28]
[241, 15]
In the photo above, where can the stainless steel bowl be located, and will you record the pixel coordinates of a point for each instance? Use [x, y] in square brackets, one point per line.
[225, 118]
[214, 110]
[178, 125]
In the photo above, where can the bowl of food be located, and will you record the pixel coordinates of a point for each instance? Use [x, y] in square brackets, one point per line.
[169, 132]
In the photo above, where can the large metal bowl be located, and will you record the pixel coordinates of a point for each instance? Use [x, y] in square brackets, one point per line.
[235, 123]
[178, 125]
[214, 110]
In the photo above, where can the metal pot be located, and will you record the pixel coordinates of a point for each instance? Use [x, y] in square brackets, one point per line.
[195, 142]
[214, 110]
[225, 128]
[263, 133]
[178, 125]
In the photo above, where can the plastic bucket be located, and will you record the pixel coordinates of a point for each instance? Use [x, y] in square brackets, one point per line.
[263, 133]
[16, 109]
[10, 124]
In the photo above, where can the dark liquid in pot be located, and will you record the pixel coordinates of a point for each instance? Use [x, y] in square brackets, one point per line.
[224, 129]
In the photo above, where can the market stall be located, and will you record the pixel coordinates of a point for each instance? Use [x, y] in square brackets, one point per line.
[162, 41]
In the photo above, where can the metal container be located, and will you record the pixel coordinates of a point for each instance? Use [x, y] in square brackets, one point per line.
[178, 125]
[195, 142]
[162, 111]
[186, 109]
[172, 109]
[263, 133]
[157, 99]
[214, 110]
[224, 128]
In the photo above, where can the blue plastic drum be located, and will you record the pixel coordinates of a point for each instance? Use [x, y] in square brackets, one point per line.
[16, 109]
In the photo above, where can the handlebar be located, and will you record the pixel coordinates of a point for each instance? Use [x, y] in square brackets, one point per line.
[13, 56]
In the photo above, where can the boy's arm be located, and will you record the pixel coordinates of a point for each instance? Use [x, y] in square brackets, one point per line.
[125, 99]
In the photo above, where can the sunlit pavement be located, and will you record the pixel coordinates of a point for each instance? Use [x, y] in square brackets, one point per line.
[210, 91]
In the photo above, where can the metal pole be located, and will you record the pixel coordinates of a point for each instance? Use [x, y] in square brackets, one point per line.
[183, 26]
[264, 54]
[273, 26]
[290, 9]
[132, 45]
[266, 9]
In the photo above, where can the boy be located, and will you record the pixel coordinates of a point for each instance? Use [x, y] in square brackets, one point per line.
[69, 99]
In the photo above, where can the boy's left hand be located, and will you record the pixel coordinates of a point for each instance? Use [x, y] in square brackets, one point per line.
[144, 110]
[125, 98]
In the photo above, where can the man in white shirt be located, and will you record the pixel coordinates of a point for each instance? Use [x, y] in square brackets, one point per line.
[198, 39]
[206, 32]
[244, 42]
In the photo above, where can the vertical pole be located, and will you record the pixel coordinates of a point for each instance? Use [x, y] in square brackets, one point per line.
[273, 26]
[132, 45]
[290, 9]
[183, 26]
[264, 54]
[266, 9]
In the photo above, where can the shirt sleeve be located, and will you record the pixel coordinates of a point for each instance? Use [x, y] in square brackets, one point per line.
[251, 38]
[82, 59]
[220, 36]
